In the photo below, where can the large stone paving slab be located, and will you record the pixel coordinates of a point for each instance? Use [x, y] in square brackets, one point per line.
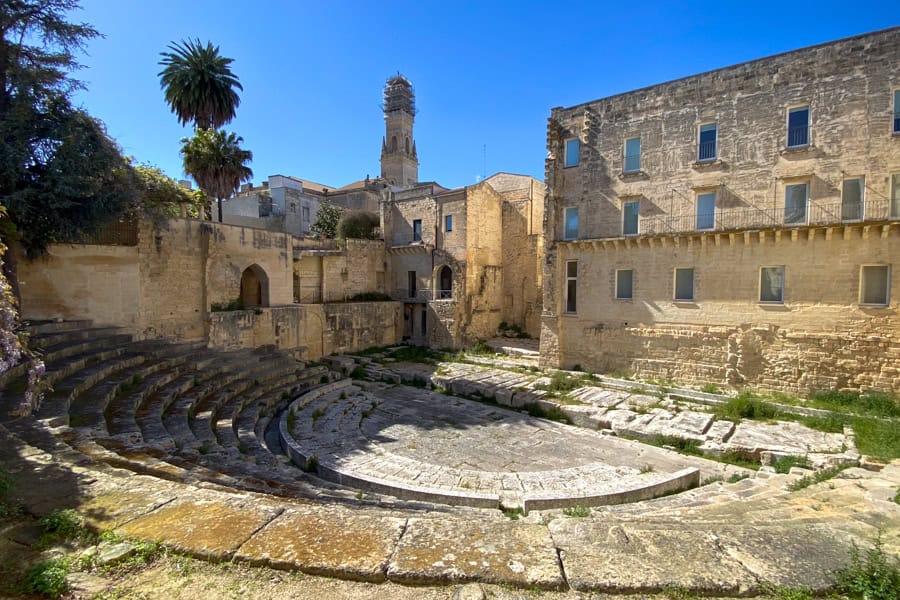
[204, 526]
[627, 559]
[444, 551]
[326, 541]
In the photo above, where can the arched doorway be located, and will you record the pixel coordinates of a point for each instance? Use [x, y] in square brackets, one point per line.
[445, 283]
[254, 287]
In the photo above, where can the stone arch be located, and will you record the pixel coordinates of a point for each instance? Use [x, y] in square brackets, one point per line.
[254, 286]
[393, 143]
[443, 280]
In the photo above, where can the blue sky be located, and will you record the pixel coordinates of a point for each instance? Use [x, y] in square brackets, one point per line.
[486, 74]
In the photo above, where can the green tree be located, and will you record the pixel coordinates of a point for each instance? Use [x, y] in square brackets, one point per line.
[217, 163]
[327, 218]
[358, 225]
[163, 196]
[199, 85]
[60, 174]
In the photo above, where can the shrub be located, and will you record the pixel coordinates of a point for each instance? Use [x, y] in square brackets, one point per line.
[62, 525]
[369, 297]
[875, 576]
[359, 373]
[358, 225]
[48, 577]
[236, 304]
[312, 464]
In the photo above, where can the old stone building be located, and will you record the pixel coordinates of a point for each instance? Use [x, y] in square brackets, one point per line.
[467, 259]
[281, 203]
[739, 226]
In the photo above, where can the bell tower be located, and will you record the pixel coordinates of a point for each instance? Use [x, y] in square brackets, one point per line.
[399, 160]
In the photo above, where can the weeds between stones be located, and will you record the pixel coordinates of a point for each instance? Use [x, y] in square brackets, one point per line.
[577, 512]
[873, 576]
[817, 477]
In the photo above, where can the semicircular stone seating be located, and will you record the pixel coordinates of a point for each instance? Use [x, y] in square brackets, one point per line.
[173, 410]
[347, 434]
[182, 412]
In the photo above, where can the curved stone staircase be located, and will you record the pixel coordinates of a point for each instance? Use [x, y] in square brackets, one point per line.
[178, 411]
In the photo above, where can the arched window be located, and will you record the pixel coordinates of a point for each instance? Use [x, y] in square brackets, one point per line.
[407, 145]
[445, 280]
[393, 143]
[254, 286]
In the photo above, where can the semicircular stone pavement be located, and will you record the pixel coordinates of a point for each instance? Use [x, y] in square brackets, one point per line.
[418, 444]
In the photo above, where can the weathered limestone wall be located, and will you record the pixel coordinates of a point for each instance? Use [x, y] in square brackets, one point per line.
[101, 283]
[481, 313]
[336, 275]
[820, 337]
[310, 330]
[847, 86]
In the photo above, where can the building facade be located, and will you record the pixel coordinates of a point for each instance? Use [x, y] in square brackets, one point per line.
[740, 226]
[467, 259]
[281, 203]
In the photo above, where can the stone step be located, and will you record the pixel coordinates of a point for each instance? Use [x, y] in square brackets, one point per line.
[68, 336]
[35, 328]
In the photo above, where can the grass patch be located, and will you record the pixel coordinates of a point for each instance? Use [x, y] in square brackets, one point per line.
[291, 420]
[554, 413]
[48, 577]
[745, 405]
[317, 414]
[710, 388]
[692, 447]
[372, 350]
[874, 575]
[647, 469]
[577, 512]
[324, 378]
[359, 373]
[817, 477]
[785, 464]
[513, 514]
[311, 465]
[562, 383]
[480, 348]
[735, 477]
[416, 354]
[868, 403]
[878, 438]
[62, 526]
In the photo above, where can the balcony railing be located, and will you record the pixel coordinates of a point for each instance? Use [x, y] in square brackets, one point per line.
[421, 295]
[707, 151]
[409, 239]
[730, 219]
[798, 136]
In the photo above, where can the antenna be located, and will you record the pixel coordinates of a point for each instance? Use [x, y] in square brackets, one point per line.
[484, 161]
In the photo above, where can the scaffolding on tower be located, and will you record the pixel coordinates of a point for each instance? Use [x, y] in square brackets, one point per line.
[399, 95]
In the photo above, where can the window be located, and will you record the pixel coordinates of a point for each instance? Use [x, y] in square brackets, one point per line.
[896, 128]
[707, 145]
[706, 211]
[571, 286]
[895, 196]
[630, 217]
[624, 284]
[407, 145]
[875, 285]
[632, 155]
[417, 230]
[573, 149]
[798, 127]
[448, 223]
[684, 285]
[771, 285]
[571, 221]
[393, 143]
[852, 197]
[796, 198]
[411, 283]
[305, 211]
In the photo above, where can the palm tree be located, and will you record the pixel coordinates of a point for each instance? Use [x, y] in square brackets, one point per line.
[199, 85]
[217, 163]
